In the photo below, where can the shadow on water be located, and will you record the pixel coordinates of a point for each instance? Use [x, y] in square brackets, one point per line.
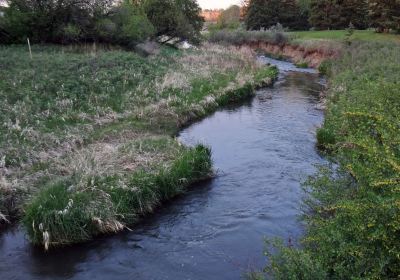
[262, 150]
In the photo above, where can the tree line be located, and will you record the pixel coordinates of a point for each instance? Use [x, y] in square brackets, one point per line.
[384, 15]
[125, 22]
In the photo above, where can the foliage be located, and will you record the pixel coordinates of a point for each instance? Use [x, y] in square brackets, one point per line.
[127, 22]
[240, 37]
[353, 207]
[229, 18]
[175, 18]
[53, 21]
[266, 13]
[62, 214]
[384, 15]
[353, 12]
[324, 14]
[291, 263]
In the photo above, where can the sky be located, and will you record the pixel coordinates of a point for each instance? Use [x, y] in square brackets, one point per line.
[217, 4]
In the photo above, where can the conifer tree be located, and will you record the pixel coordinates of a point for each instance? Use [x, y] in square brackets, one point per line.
[354, 12]
[266, 13]
[384, 14]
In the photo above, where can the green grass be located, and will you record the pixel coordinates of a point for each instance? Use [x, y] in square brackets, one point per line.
[61, 215]
[353, 208]
[340, 35]
[72, 115]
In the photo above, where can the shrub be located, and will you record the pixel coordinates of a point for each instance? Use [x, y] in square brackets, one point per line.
[291, 264]
[175, 18]
[353, 207]
[325, 138]
[229, 18]
[325, 67]
[60, 20]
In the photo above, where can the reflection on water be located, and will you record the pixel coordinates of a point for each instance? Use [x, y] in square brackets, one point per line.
[262, 151]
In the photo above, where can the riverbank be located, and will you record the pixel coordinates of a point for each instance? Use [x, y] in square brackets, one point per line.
[81, 130]
[281, 45]
[352, 211]
[261, 149]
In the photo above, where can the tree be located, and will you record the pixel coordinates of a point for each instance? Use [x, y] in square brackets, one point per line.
[126, 24]
[266, 13]
[53, 20]
[244, 7]
[175, 18]
[384, 14]
[354, 12]
[325, 14]
[338, 14]
[230, 18]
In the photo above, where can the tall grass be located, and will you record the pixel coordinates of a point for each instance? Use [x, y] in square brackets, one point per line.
[242, 37]
[353, 208]
[64, 213]
[73, 114]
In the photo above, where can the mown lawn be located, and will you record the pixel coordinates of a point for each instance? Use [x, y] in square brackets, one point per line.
[340, 35]
[86, 135]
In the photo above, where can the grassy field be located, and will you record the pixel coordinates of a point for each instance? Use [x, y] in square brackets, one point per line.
[340, 35]
[353, 208]
[86, 136]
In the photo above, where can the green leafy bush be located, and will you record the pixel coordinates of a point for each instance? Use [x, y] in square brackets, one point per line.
[353, 207]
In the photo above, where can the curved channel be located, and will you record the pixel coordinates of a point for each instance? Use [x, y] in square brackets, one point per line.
[262, 151]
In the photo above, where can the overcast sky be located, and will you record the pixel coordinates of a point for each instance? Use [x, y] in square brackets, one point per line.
[214, 4]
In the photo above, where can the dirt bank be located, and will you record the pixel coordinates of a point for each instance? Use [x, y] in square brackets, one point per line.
[312, 55]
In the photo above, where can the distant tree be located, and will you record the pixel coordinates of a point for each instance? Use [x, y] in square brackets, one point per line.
[244, 7]
[354, 12]
[304, 14]
[175, 18]
[289, 13]
[338, 14]
[229, 18]
[325, 14]
[384, 14]
[266, 13]
[126, 24]
[53, 20]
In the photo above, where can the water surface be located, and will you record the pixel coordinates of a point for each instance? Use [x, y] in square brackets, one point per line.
[262, 150]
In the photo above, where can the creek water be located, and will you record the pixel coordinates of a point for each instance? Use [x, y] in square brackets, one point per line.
[262, 151]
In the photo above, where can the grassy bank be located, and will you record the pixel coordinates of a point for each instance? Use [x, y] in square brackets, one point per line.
[73, 117]
[340, 35]
[353, 209]
[281, 45]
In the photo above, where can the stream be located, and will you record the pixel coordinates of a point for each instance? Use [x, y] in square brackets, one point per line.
[262, 151]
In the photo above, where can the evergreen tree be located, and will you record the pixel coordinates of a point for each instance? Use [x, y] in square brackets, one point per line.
[384, 14]
[325, 14]
[289, 13]
[355, 12]
[266, 13]
[304, 14]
